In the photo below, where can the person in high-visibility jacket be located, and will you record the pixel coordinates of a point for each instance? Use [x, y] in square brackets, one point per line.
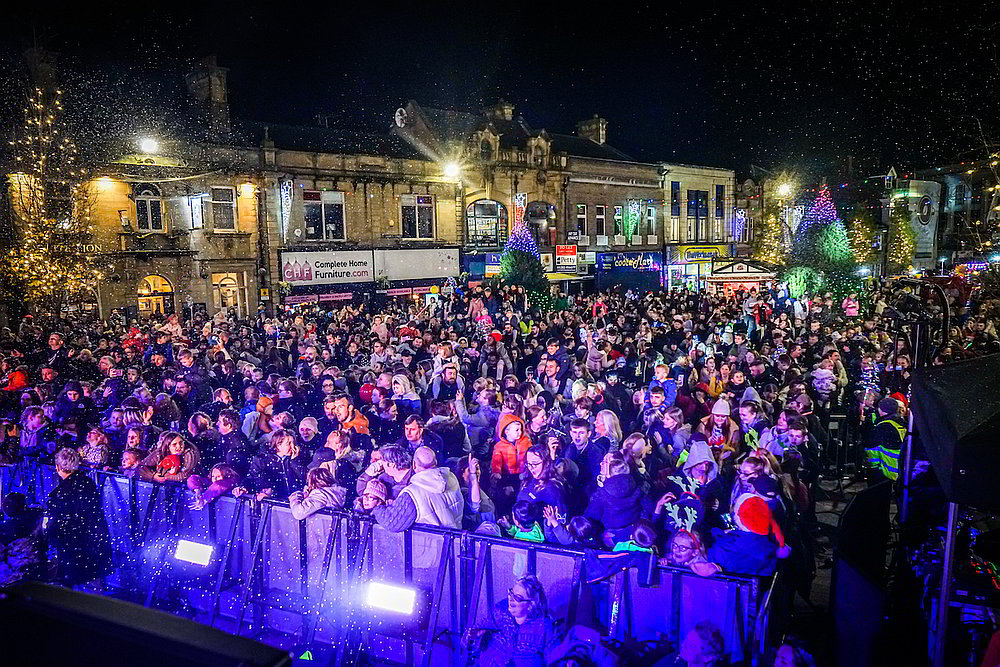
[886, 439]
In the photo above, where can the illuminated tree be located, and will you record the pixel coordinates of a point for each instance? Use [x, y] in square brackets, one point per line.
[902, 240]
[769, 240]
[861, 234]
[52, 200]
[821, 252]
[521, 264]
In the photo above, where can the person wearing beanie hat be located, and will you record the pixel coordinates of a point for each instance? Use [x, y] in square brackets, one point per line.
[721, 431]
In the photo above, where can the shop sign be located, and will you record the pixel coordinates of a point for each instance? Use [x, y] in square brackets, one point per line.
[328, 268]
[336, 296]
[303, 298]
[631, 261]
[399, 291]
[492, 267]
[566, 258]
[702, 254]
[422, 290]
[547, 262]
[588, 257]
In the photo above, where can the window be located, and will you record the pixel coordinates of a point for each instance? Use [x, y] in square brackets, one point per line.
[224, 208]
[324, 215]
[675, 199]
[619, 221]
[417, 215]
[697, 215]
[651, 220]
[197, 202]
[148, 209]
[599, 220]
[720, 201]
[487, 220]
[675, 230]
[581, 219]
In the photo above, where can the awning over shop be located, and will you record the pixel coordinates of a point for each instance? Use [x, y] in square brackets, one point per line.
[559, 277]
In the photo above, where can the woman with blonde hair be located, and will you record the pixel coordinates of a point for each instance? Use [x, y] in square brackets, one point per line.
[607, 426]
[406, 398]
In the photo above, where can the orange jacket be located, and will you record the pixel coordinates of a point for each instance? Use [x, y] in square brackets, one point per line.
[508, 457]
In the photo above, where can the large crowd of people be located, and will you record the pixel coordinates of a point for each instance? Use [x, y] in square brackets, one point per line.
[683, 423]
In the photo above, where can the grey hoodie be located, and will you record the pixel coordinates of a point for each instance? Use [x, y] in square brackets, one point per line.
[699, 453]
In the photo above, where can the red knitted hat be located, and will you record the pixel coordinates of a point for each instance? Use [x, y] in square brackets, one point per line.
[753, 515]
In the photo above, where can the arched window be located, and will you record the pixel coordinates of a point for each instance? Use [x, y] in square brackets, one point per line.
[148, 208]
[487, 221]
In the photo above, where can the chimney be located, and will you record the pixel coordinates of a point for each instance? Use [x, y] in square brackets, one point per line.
[595, 129]
[209, 94]
[502, 110]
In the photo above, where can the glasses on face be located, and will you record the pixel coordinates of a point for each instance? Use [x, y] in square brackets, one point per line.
[515, 597]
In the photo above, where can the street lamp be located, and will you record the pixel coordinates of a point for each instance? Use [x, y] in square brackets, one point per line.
[784, 190]
[451, 170]
[942, 259]
[149, 145]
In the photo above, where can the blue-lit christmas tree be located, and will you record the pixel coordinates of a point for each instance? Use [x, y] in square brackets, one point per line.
[521, 264]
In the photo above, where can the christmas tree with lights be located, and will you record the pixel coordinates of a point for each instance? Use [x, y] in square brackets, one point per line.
[821, 254]
[53, 200]
[521, 264]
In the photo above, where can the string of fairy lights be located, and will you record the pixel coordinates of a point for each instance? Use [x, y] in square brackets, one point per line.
[53, 202]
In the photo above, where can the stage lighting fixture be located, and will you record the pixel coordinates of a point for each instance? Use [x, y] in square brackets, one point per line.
[397, 599]
[194, 552]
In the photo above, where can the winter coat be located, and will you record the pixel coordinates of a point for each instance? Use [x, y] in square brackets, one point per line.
[40, 443]
[453, 435]
[551, 492]
[524, 645]
[78, 530]
[303, 505]
[437, 496]
[732, 437]
[237, 451]
[617, 505]
[190, 458]
[508, 457]
[281, 474]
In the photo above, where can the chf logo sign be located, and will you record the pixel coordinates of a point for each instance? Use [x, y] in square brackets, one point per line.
[924, 209]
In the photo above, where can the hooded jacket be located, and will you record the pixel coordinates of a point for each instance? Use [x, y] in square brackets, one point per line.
[617, 504]
[509, 456]
[731, 434]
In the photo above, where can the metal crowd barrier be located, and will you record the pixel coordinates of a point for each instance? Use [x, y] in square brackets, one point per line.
[301, 584]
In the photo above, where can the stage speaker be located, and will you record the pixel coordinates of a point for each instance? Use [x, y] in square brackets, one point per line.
[956, 410]
[49, 625]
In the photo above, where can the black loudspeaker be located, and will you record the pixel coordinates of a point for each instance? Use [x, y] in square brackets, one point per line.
[48, 625]
[956, 409]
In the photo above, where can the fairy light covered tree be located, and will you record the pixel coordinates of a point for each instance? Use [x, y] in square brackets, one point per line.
[521, 264]
[861, 234]
[902, 240]
[52, 200]
[769, 241]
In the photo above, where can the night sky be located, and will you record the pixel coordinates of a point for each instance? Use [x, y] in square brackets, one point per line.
[797, 86]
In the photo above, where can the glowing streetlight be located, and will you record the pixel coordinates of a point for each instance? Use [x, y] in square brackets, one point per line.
[784, 189]
[451, 170]
[149, 145]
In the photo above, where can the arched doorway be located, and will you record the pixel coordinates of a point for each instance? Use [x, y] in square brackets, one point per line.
[156, 296]
[229, 291]
[487, 222]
